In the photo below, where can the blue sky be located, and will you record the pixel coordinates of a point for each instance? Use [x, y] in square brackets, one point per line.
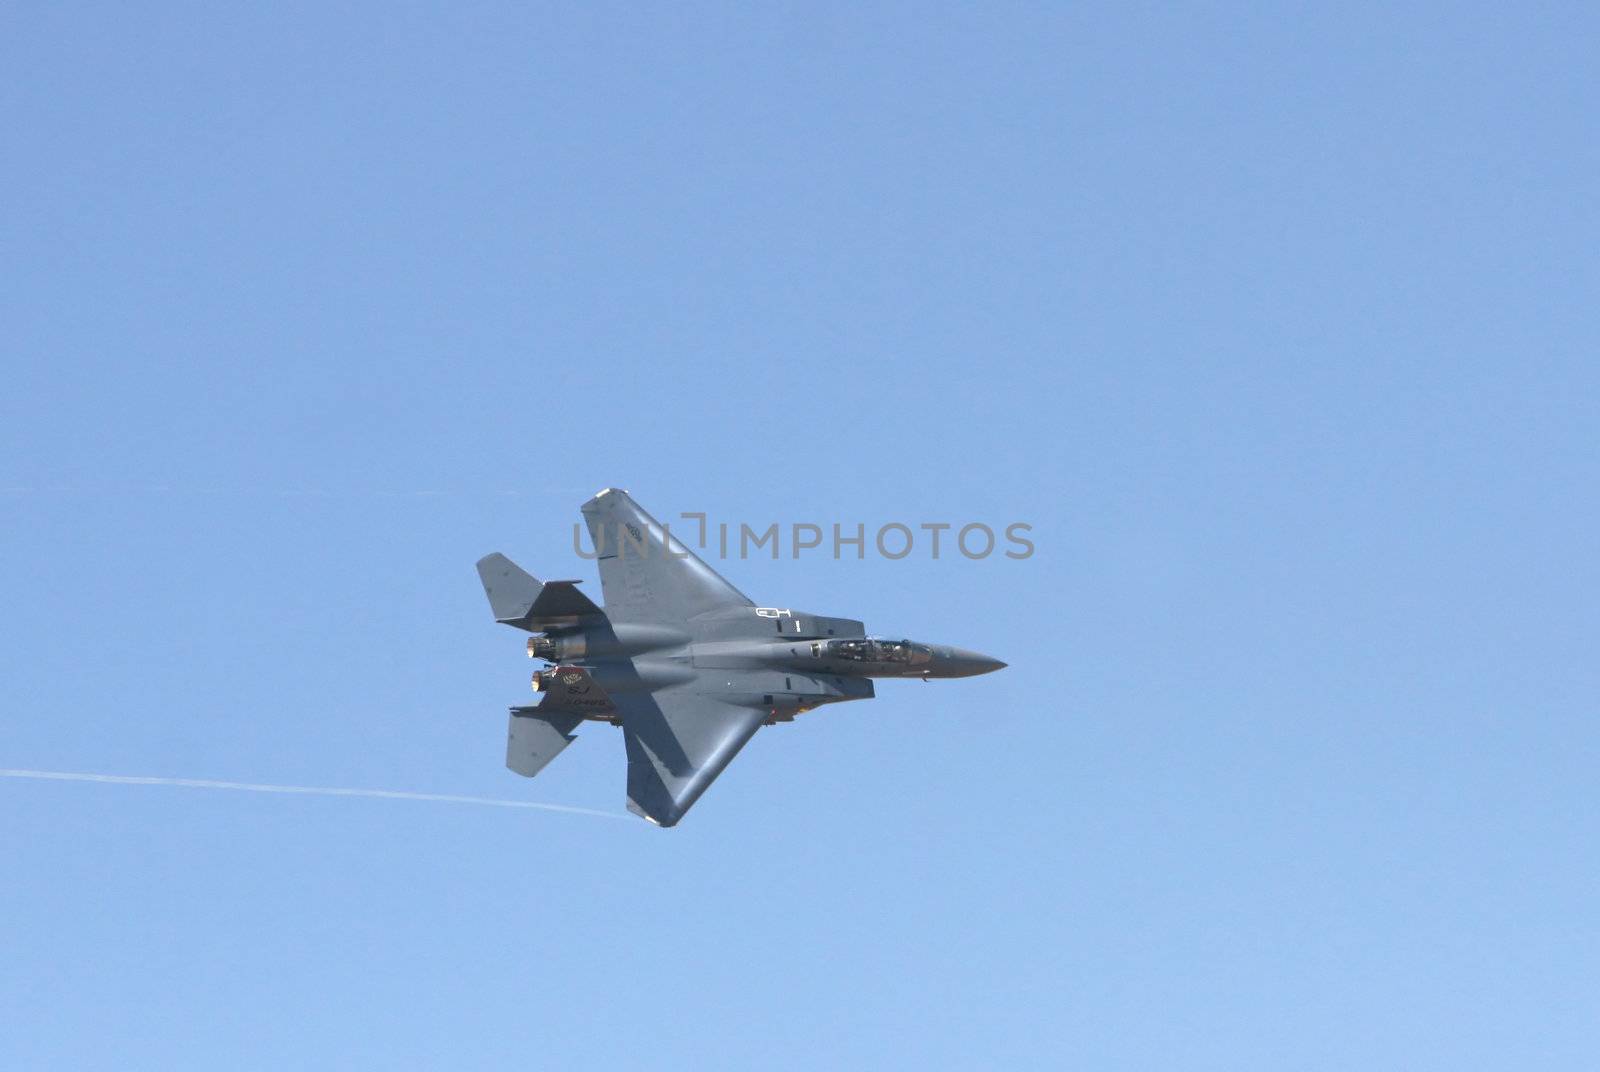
[1277, 324]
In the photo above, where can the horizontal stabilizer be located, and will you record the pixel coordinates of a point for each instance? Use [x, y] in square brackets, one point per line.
[561, 600]
[516, 598]
[534, 739]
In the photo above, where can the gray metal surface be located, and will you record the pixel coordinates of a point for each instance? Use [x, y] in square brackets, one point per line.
[682, 661]
[534, 739]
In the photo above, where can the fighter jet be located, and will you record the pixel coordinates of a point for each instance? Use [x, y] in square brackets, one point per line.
[681, 660]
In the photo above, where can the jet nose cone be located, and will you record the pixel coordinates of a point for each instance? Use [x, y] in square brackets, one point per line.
[962, 663]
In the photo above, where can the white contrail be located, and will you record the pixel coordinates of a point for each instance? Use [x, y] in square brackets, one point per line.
[313, 790]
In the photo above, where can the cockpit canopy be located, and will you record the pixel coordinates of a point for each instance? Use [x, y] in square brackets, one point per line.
[873, 650]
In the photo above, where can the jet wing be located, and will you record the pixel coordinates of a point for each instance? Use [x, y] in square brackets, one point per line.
[646, 573]
[678, 742]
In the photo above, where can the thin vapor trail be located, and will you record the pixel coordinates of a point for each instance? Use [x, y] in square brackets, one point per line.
[311, 790]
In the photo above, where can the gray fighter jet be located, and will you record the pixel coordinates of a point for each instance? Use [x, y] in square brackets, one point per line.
[680, 659]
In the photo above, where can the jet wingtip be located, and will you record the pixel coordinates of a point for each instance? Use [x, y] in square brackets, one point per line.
[608, 500]
[663, 821]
